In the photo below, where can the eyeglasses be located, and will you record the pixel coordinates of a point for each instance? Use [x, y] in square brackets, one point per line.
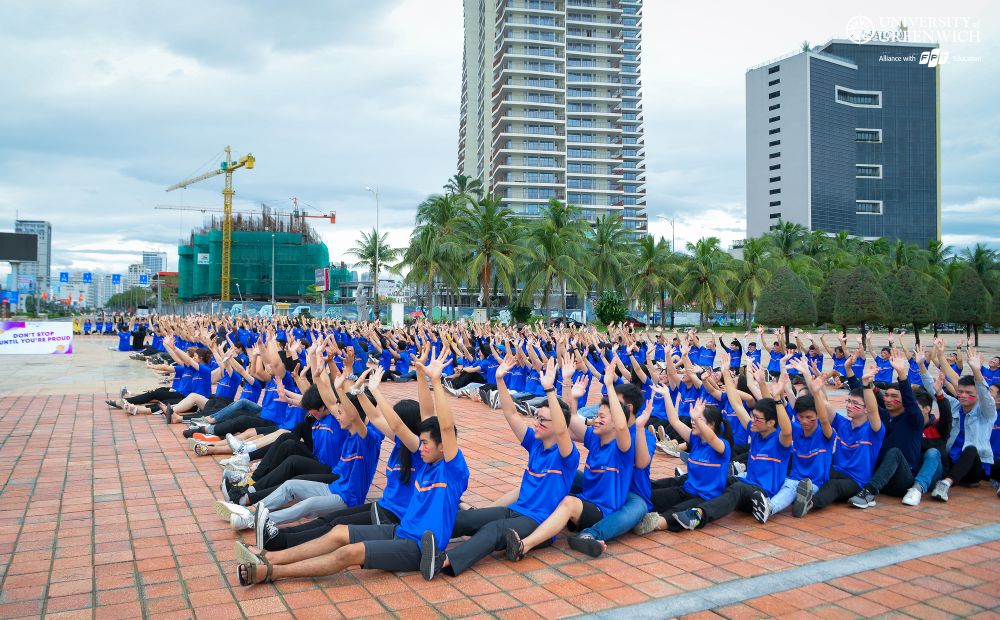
[853, 404]
[759, 418]
[543, 421]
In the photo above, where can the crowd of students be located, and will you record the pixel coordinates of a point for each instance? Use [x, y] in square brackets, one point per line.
[297, 408]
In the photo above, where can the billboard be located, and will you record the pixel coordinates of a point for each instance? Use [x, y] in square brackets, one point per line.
[18, 247]
[203, 258]
[322, 279]
[36, 338]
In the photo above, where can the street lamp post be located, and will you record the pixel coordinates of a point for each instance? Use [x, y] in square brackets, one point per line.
[272, 275]
[673, 248]
[378, 242]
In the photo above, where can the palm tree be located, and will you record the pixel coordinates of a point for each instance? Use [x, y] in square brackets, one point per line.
[427, 259]
[465, 188]
[905, 254]
[786, 239]
[554, 250]
[370, 249]
[652, 272]
[707, 276]
[441, 214]
[609, 249]
[984, 261]
[490, 231]
[754, 273]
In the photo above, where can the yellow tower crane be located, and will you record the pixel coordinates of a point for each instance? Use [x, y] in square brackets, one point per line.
[227, 167]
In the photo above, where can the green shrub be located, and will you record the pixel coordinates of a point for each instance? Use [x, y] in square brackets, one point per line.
[610, 308]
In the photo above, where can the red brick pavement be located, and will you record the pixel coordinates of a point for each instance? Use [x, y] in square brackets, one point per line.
[107, 516]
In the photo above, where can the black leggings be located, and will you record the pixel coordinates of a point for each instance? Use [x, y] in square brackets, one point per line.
[669, 496]
[737, 495]
[839, 488]
[216, 403]
[968, 469]
[163, 395]
[284, 446]
[311, 530]
[292, 467]
[466, 378]
[239, 424]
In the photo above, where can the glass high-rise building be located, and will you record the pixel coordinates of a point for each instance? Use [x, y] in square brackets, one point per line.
[846, 137]
[552, 105]
[38, 271]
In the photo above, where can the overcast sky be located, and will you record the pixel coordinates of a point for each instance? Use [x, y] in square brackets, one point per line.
[105, 104]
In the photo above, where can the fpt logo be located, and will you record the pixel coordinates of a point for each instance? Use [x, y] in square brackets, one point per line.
[933, 58]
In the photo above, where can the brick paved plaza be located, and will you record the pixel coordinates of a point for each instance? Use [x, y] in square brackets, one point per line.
[108, 516]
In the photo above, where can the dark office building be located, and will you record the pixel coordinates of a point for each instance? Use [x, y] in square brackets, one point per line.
[846, 137]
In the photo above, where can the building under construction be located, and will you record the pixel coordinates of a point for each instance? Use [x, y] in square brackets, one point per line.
[263, 243]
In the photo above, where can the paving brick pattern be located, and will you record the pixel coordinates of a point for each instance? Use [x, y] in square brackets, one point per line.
[108, 516]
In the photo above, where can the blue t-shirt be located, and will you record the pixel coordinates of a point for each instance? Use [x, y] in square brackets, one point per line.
[812, 456]
[754, 355]
[816, 358]
[124, 341]
[858, 367]
[328, 440]
[689, 396]
[251, 391]
[437, 489]
[767, 466]
[708, 470]
[884, 373]
[396, 495]
[774, 361]
[857, 449]
[992, 377]
[201, 380]
[271, 408]
[403, 363]
[547, 478]
[607, 473]
[227, 385]
[794, 358]
[656, 402]
[515, 378]
[180, 381]
[706, 357]
[640, 484]
[838, 364]
[357, 465]
[740, 434]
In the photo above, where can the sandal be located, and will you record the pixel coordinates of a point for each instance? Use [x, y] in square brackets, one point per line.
[168, 413]
[247, 573]
[246, 555]
[515, 546]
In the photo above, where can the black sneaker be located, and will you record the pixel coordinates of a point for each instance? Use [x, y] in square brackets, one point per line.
[689, 519]
[803, 501]
[168, 413]
[484, 394]
[588, 545]
[522, 408]
[189, 432]
[760, 506]
[864, 499]
[431, 560]
[495, 399]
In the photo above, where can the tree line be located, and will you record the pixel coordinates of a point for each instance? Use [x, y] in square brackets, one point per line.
[466, 238]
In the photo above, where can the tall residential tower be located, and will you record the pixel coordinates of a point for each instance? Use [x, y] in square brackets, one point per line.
[845, 137]
[552, 105]
[39, 272]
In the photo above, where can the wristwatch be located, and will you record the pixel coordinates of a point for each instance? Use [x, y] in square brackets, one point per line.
[870, 386]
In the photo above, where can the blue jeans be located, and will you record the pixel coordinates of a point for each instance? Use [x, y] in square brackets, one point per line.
[241, 406]
[588, 412]
[930, 470]
[786, 495]
[620, 521]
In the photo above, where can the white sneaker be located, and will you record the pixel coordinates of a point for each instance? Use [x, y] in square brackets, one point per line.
[241, 522]
[237, 461]
[941, 491]
[227, 509]
[233, 476]
[238, 446]
[912, 497]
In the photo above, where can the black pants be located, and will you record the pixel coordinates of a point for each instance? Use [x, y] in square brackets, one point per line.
[668, 498]
[239, 424]
[839, 488]
[163, 395]
[736, 496]
[968, 469]
[466, 378]
[892, 476]
[311, 530]
[271, 456]
[487, 527]
[294, 466]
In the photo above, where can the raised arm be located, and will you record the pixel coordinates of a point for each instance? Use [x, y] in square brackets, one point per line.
[446, 422]
[734, 396]
[670, 405]
[556, 417]
[706, 432]
[510, 413]
[871, 404]
[396, 427]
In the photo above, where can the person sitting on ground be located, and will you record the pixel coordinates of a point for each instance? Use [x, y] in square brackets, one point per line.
[428, 522]
[552, 463]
